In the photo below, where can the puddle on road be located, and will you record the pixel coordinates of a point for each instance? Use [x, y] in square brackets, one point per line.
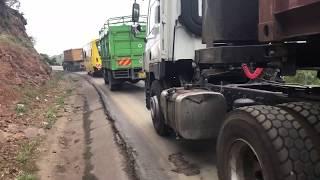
[182, 166]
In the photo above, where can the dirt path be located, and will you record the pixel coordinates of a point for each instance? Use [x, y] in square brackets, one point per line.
[81, 144]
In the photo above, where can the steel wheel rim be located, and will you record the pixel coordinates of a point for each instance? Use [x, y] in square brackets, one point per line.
[244, 163]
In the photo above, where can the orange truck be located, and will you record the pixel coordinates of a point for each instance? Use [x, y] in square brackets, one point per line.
[73, 60]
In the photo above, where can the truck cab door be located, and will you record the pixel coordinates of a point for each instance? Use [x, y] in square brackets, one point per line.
[153, 50]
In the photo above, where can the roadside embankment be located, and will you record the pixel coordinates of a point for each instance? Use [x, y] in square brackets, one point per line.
[20, 63]
[35, 112]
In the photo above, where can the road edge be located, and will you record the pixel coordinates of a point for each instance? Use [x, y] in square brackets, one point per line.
[131, 166]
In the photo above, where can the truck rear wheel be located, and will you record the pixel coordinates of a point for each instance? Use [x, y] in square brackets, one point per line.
[308, 112]
[157, 117]
[113, 84]
[265, 143]
[105, 76]
[96, 72]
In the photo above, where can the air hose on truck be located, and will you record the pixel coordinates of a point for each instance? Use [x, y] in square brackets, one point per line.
[257, 72]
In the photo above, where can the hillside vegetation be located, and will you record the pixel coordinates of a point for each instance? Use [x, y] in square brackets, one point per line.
[20, 63]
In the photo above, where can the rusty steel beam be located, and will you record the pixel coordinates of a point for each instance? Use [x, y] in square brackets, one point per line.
[288, 19]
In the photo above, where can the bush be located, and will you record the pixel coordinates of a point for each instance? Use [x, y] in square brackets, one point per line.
[304, 77]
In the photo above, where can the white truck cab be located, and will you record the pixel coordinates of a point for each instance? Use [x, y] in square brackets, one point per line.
[173, 36]
[168, 39]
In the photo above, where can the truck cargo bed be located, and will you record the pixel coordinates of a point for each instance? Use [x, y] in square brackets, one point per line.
[260, 20]
[73, 55]
[288, 19]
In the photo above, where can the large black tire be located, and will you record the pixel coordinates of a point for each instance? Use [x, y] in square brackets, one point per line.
[97, 73]
[113, 84]
[308, 112]
[266, 142]
[94, 74]
[105, 77]
[158, 121]
[147, 98]
[147, 90]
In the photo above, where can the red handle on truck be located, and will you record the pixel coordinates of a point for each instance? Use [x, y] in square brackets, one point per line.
[251, 75]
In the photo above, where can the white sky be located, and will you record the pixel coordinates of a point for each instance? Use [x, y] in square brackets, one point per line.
[57, 25]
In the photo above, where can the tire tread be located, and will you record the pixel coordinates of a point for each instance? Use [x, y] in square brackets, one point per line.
[294, 148]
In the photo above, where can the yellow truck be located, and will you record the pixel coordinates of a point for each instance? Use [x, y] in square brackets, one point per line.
[92, 59]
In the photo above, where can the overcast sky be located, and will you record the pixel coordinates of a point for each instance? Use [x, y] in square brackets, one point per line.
[57, 25]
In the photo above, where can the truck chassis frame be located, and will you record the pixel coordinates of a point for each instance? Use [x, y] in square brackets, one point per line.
[287, 57]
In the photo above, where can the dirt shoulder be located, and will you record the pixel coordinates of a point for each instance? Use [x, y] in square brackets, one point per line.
[29, 119]
[60, 131]
[81, 144]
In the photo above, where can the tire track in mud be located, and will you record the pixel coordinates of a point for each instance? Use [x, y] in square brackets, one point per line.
[130, 165]
[87, 135]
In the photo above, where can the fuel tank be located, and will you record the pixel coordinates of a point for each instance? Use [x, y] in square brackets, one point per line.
[193, 113]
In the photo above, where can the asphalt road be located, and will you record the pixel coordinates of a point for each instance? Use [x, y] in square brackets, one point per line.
[157, 158]
[57, 68]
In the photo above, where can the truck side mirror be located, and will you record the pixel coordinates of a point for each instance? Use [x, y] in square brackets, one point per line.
[139, 28]
[135, 12]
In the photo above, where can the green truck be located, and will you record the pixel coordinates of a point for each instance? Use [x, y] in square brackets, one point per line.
[121, 50]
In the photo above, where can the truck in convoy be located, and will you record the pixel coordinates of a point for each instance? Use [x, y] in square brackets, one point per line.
[204, 62]
[73, 60]
[92, 59]
[122, 51]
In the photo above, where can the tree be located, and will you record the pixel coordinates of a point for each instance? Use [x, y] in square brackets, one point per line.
[53, 61]
[15, 4]
[47, 59]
